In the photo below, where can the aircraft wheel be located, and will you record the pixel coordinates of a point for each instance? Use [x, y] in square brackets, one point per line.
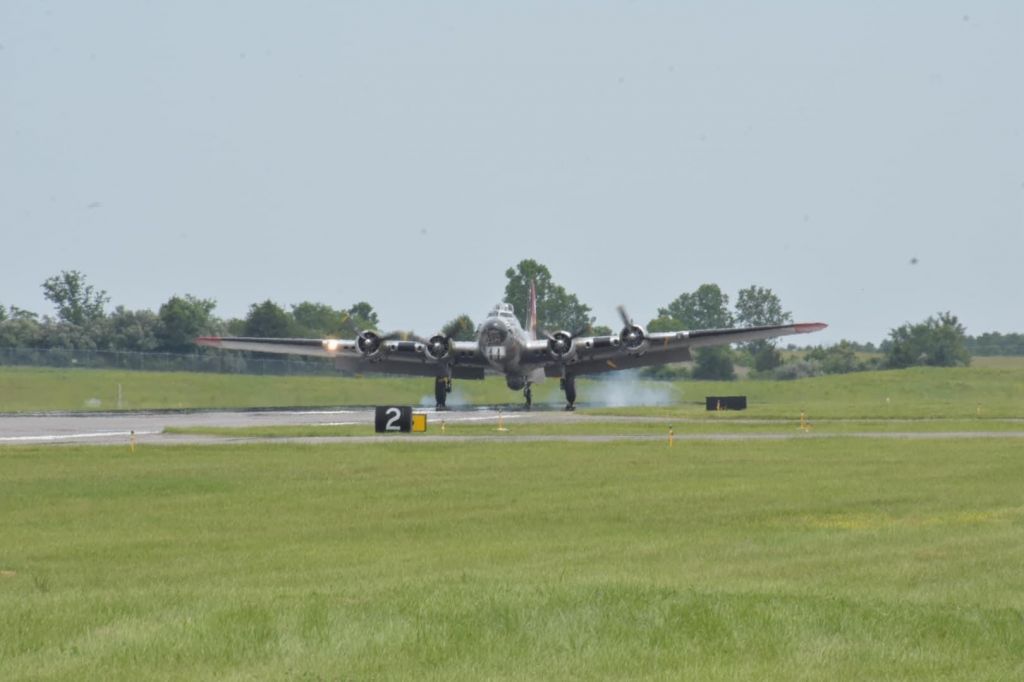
[441, 388]
[569, 385]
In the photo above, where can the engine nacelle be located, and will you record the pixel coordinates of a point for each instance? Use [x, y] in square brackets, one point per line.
[562, 346]
[633, 338]
[438, 348]
[368, 343]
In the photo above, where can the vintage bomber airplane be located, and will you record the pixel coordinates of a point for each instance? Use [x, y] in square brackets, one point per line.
[504, 347]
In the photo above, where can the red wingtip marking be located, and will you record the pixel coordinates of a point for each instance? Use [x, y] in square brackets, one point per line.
[208, 340]
[807, 327]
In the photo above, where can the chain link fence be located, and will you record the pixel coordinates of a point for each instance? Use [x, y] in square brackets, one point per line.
[224, 362]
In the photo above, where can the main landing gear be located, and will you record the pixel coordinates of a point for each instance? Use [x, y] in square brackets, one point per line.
[442, 387]
[528, 394]
[569, 386]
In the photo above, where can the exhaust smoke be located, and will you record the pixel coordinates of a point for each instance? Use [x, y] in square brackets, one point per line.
[627, 389]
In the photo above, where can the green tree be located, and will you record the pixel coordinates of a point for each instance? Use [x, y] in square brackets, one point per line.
[318, 320]
[20, 332]
[266, 320]
[939, 341]
[364, 316]
[461, 328]
[67, 336]
[755, 307]
[759, 306]
[840, 358]
[130, 330]
[16, 313]
[556, 308]
[714, 363]
[994, 343]
[181, 319]
[705, 308]
[234, 326]
[77, 303]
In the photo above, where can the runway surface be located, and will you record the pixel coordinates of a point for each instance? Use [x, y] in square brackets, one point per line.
[117, 427]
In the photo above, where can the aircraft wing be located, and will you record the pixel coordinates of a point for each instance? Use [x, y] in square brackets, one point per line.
[594, 354]
[388, 356]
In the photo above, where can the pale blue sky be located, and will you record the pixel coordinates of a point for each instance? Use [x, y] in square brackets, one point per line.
[408, 153]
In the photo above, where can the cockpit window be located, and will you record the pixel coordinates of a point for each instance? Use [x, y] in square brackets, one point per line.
[494, 336]
[502, 310]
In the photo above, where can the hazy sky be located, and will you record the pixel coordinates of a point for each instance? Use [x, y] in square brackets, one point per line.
[408, 153]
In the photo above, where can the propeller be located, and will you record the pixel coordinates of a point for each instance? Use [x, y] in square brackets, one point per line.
[626, 319]
[561, 342]
[632, 335]
[369, 342]
[438, 346]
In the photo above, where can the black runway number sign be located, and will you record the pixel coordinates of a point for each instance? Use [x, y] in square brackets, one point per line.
[391, 419]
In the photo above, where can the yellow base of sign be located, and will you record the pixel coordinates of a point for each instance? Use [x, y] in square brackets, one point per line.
[419, 423]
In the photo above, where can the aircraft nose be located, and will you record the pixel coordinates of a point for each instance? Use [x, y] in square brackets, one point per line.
[495, 332]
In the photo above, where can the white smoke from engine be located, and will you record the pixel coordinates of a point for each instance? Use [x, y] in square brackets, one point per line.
[627, 389]
[457, 398]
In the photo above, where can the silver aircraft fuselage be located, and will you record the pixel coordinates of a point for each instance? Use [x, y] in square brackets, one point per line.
[502, 341]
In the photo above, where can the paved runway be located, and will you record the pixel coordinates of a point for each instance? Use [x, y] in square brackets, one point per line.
[116, 427]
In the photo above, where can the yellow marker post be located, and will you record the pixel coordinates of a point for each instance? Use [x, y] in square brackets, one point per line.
[978, 411]
[442, 426]
[804, 424]
[419, 423]
[131, 441]
[501, 422]
[671, 436]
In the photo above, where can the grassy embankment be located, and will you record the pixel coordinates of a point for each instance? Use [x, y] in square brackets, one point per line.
[836, 559]
[25, 389]
[960, 393]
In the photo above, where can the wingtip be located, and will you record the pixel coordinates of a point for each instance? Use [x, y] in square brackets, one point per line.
[807, 327]
[208, 341]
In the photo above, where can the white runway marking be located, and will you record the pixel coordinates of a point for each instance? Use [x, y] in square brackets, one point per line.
[74, 436]
[489, 418]
[115, 428]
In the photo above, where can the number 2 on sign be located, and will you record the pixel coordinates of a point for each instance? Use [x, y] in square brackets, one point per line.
[395, 414]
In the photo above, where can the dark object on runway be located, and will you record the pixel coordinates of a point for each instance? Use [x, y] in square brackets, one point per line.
[714, 403]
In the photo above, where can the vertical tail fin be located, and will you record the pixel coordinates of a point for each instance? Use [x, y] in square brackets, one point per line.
[531, 322]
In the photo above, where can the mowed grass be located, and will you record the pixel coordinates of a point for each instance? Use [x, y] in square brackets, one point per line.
[916, 393]
[843, 559]
[31, 389]
[602, 426]
[919, 393]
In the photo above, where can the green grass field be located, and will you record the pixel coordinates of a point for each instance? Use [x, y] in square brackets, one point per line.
[914, 393]
[831, 559]
[840, 558]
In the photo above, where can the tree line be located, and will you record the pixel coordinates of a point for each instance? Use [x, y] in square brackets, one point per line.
[81, 322]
